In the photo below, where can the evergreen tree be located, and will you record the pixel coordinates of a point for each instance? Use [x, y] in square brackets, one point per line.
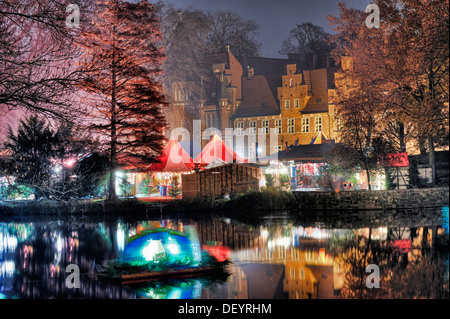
[122, 60]
[43, 158]
[33, 148]
[175, 189]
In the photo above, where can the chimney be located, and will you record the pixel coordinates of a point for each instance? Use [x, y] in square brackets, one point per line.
[314, 61]
[251, 72]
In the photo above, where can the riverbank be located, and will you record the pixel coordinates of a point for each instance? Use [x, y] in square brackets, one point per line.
[255, 203]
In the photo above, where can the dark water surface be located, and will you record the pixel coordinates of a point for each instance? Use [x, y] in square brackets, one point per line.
[274, 257]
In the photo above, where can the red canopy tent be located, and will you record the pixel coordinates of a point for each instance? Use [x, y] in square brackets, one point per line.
[218, 149]
[173, 159]
[399, 162]
[396, 160]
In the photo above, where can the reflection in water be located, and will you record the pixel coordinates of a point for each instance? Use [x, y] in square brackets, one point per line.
[275, 259]
[189, 289]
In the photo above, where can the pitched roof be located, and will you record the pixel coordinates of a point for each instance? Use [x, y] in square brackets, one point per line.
[259, 96]
[308, 152]
[214, 58]
[316, 82]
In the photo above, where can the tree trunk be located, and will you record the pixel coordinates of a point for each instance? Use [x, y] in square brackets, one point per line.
[113, 151]
[431, 158]
[422, 145]
[401, 134]
[368, 176]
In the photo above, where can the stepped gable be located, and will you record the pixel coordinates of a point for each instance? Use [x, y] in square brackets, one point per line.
[263, 66]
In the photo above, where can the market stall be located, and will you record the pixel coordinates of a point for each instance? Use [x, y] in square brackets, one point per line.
[163, 178]
[217, 149]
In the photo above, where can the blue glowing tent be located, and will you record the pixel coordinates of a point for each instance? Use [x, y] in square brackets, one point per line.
[159, 244]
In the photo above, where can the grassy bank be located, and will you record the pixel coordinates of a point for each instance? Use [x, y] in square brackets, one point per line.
[251, 202]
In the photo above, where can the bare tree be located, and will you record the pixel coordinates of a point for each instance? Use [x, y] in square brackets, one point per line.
[405, 59]
[307, 40]
[185, 33]
[37, 69]
[230, 29]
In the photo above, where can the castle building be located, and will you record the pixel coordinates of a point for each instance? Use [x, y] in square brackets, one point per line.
[254, 95]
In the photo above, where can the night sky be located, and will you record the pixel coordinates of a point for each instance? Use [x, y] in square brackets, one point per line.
[276, 17]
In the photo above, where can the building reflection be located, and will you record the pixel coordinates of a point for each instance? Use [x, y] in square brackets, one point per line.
[272, 260]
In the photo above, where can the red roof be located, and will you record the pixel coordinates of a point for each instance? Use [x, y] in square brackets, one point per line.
[173, 159]
[396, 160]
[260, 96]
[218, 149]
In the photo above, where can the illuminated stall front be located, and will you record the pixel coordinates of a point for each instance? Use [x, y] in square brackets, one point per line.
[160, 179]
[306, 163]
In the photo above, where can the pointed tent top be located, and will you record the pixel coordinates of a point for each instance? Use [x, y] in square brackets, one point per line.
[218, 149]
[319, 139]
[173, 159]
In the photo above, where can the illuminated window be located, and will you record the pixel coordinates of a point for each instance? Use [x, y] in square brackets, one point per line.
[253, 127]
[305, 125]
[278, 126]
[292, 273]
[291, 125]
[296, 103]
[240, 128]
[301, 273]
[339, 123]
[318, 124]
[265, 126]
[291, 83]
